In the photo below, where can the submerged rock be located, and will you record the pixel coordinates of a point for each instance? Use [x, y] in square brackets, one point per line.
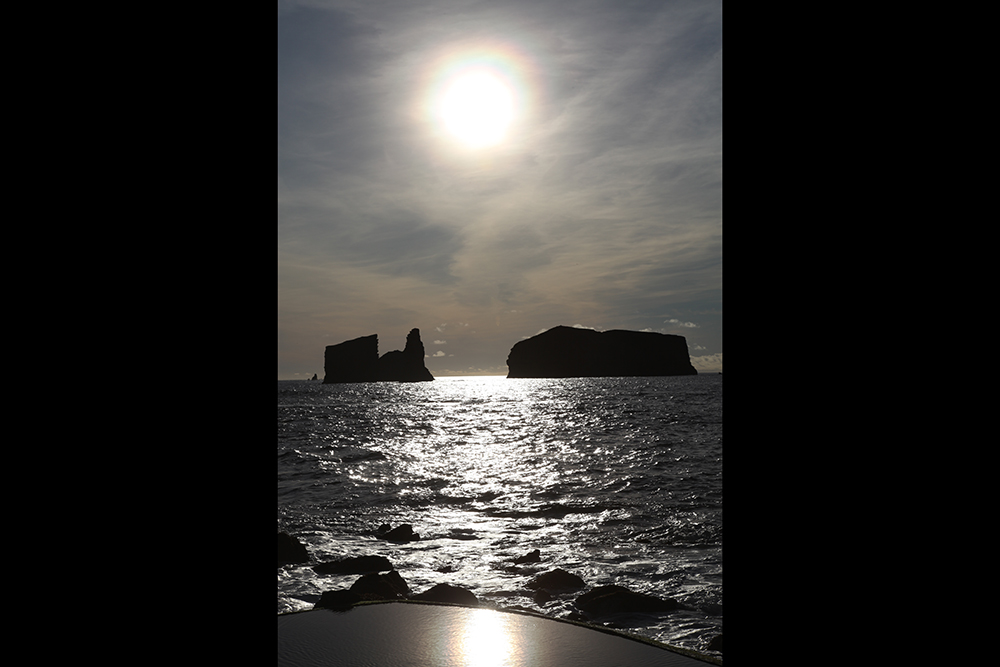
[563, 352]
[449, 594]
[609, 600]
[290, 550]
[555, 581]
[354, 565]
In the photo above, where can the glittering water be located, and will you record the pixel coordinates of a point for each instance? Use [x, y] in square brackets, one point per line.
[618, 480]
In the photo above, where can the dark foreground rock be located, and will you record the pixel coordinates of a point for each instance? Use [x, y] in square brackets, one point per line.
[563, 352]
[389, 586]
[355, 565]
[449, 594]
[338, 600]
[715, 644]
[610, 600]
[556, 581]
[358, 361]
[290, 550]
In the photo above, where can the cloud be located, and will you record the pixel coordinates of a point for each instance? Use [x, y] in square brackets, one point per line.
[440, 342]
[708, 363]
[676, 322]
[439, 353]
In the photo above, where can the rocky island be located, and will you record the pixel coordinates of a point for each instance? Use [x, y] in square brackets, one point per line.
[564, 352]
[358, 361]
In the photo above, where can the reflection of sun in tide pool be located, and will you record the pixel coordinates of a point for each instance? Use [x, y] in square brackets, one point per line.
[477, 108]
[486, 640]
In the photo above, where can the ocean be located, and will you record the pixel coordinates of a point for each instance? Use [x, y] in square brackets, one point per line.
[617, 480]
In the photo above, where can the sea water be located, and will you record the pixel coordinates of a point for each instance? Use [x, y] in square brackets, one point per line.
[617, 480]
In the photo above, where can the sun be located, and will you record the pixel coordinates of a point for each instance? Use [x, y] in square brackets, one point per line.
[476, 108]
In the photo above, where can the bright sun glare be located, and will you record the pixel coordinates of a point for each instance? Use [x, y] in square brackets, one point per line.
[486, 641]
[476, 108]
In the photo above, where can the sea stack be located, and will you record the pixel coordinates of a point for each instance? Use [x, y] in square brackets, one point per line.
[358, 361]
[564, 352]
[405, 366]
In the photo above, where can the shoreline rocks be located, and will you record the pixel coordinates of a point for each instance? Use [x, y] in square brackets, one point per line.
[379, 581]
[556, 581]
[339, 600]
[290, 550]
[610, 600]
[355, 565]
[448, 594]
[389, 586]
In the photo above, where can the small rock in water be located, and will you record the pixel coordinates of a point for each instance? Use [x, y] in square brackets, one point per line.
[609, 600]
[389, 586]
[449, 594]
[556, 580]
[401, 533]
[532, 557]
[290, 550]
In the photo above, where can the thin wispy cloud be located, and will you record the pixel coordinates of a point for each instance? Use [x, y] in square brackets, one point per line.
[601, 205]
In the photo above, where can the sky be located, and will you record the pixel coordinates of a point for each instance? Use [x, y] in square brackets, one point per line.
[486, 170]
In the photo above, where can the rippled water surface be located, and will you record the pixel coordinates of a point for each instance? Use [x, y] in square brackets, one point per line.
[618, 480]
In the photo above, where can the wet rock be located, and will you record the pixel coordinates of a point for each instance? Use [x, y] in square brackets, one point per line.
[401, 533]
[449, 594]
[354, 565]
[541, 597]
[532, 557]
[389, 586]
[610, 600]
[341, 600]
[290, 550]
[555, 581]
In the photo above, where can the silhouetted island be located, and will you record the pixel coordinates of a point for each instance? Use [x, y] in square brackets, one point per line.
[565, 352]
[358, 361]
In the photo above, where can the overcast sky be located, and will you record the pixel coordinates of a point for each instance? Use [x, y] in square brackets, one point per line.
[486, 170]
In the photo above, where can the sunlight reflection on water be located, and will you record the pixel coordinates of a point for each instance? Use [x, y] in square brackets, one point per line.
[600, 474]
[485, 640]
